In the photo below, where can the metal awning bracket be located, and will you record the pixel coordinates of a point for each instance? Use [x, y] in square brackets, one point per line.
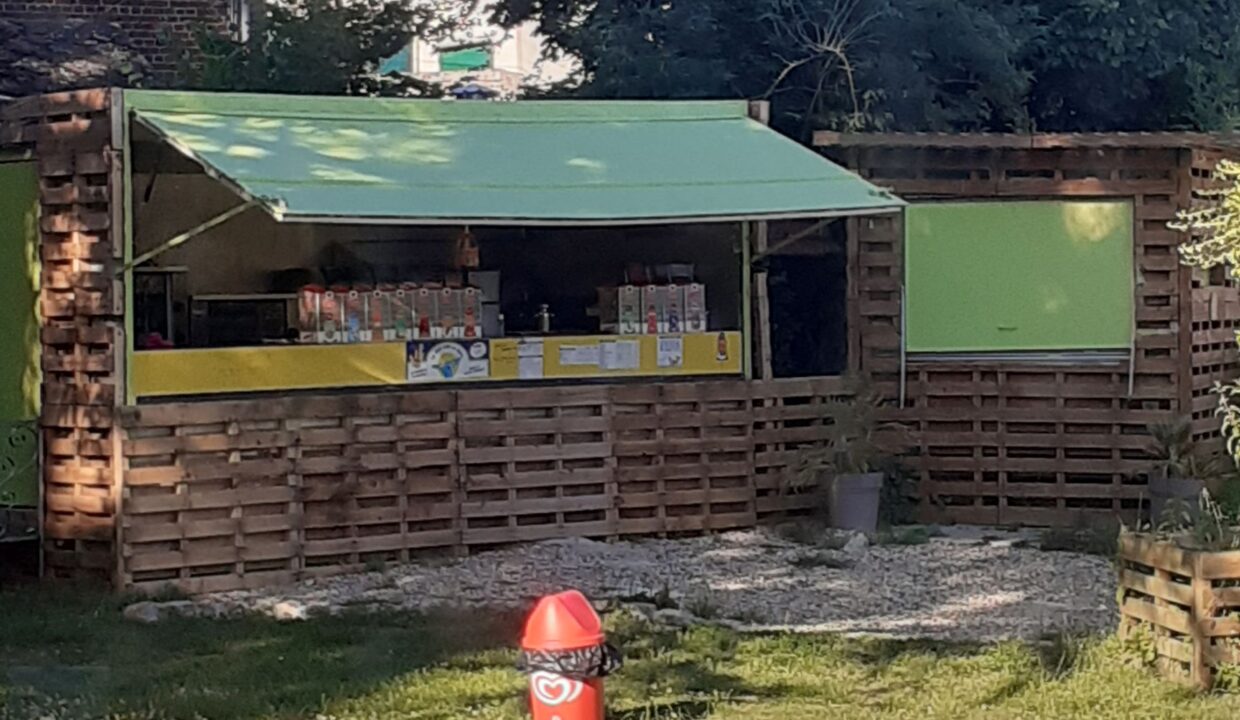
[188, 235]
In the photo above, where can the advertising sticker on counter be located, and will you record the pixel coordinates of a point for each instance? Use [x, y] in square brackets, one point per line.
[579, 355]
[530, 360]
[621, 355]
[440, 361]
[671, 352]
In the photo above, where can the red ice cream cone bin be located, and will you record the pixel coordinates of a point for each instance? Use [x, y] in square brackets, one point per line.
[566, 655]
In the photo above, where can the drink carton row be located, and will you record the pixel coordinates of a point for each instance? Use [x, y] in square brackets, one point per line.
[653, 309]
[387, 313]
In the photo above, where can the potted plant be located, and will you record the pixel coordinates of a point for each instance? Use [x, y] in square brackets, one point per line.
[847, 462]
[1184, 469]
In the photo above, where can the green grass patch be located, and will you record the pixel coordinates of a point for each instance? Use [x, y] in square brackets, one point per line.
[70, 656]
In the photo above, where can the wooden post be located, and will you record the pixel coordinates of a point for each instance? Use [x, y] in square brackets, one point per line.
[760, 110]
[1184, 290]
[1201, 613]
[761, 306]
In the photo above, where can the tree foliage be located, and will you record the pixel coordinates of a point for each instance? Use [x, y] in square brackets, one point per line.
[1214, 241]
[318, 47]
[1063, 65]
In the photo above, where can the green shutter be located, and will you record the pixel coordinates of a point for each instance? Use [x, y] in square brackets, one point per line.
[1019, 276]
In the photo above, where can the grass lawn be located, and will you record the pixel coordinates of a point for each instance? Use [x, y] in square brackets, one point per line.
[69, 655]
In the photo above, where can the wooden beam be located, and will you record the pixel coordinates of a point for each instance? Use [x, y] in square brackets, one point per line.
[793, 238]
[762, 305]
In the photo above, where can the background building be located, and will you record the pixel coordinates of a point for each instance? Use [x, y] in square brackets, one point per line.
[495, 59]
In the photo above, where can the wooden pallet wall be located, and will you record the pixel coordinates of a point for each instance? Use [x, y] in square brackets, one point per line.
[225, 495]
[1028, 444]
[71, 136]
[1215, 316]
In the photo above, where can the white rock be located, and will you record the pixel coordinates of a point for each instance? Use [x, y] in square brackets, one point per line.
[1008, 543]
[642, 609]
[675, 617]
[143, 612]
[289, 610]
[857, 544]
[149, 611]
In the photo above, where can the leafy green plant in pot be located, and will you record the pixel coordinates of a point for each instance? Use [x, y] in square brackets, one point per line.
[848, 461]
[1183, 470]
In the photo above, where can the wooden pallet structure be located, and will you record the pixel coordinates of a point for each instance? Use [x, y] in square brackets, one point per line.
[1028, 444]
[73, 140]
[1186, 603]
[234, 494]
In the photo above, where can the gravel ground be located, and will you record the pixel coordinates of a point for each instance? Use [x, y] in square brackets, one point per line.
[967, 587]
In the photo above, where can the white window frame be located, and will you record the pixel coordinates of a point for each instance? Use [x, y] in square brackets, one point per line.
[239, 12]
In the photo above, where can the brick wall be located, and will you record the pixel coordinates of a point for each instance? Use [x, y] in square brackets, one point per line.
[154, 27]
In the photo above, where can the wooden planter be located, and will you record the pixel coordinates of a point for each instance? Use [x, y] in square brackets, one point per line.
[1188, 600]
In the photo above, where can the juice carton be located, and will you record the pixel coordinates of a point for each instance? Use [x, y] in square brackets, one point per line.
[629, 310]
[471, 312]
[400, 301]
[380, 312]
[695, 308]
[309, 308]
[424, 312]
[654, 309]
[356, 324]
[450, 315]
[675, 309]
[331, 315]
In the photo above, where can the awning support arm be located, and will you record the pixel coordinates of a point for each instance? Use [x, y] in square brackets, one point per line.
[188, 235]
[797, 236]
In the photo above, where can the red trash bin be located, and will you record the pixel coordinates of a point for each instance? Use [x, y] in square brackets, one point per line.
[566, 654]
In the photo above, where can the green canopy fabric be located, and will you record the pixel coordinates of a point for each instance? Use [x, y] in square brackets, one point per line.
[341, 159]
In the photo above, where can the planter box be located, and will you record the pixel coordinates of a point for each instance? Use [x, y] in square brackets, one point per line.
[1188, 599]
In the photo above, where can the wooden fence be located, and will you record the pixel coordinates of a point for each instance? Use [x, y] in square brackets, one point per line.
[234, 494]
[1184, 603]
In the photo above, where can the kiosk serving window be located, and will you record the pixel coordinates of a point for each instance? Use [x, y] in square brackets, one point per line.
[301, 242]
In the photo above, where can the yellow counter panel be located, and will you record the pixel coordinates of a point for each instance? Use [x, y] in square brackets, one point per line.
[164, 373]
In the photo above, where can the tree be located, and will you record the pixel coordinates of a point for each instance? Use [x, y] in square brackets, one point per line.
[1214, 241]
[820, 62]
[1134, 65]
[913, 64]
[319, 47]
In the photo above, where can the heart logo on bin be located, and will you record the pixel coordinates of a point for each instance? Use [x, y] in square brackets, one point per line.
[553, 690]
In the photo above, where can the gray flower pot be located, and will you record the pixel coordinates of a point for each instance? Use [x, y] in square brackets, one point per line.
[854, 502]
[1164, 489]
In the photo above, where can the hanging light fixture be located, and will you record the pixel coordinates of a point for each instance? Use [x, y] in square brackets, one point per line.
[467, 255]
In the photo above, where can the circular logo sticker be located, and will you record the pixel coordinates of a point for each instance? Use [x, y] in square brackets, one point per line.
[553, 690]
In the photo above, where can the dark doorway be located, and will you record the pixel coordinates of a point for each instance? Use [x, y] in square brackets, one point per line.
[807, 283]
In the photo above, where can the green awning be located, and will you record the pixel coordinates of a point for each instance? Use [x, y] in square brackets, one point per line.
[465, 59]
[335, 159]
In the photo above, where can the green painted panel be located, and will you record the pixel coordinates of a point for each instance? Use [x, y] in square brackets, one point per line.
[465, 59]
[19, 331]
[19, 464]
[528, 161]
[1019, 276]
[19, 284]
